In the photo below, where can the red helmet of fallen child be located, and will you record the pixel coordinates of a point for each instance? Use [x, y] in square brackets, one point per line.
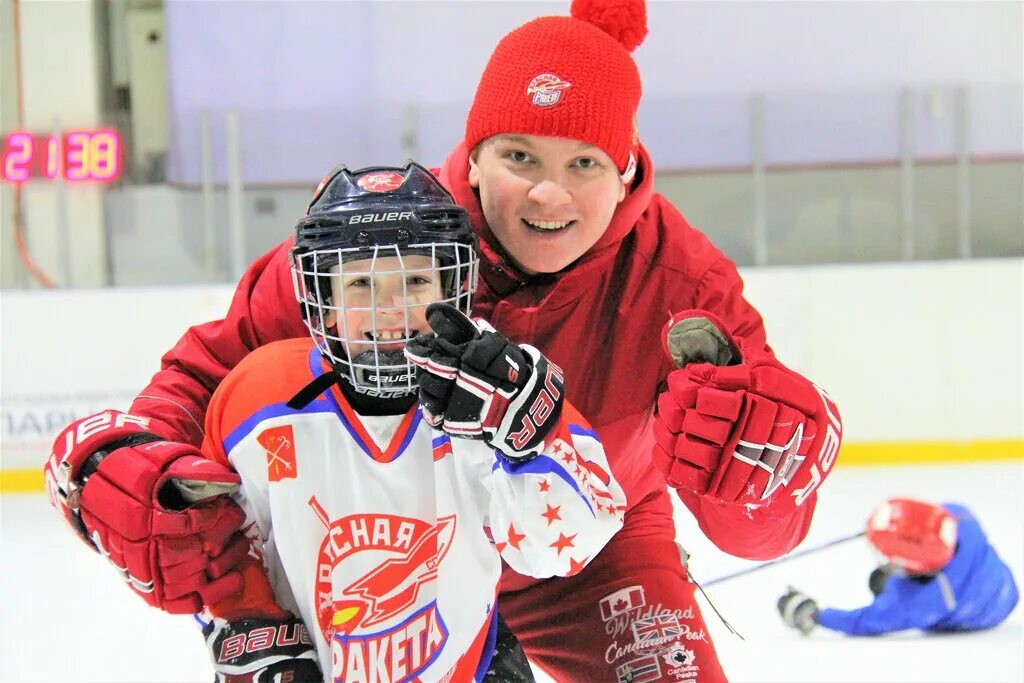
[918, 537]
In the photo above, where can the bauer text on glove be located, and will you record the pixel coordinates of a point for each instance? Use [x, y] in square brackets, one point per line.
[157, 510]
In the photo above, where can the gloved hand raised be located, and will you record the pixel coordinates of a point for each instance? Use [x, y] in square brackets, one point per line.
[735, 424]
[158, 511]
[476, 384]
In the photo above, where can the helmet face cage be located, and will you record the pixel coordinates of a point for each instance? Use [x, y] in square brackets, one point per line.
[358, 355]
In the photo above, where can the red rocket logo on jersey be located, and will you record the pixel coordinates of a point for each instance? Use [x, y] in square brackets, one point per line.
[394, 585]
[279, 443]
[383, 181]
[546, 89]
[411, 551]
[408, 553]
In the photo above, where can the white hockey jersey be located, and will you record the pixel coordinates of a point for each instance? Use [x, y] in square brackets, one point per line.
[385, 535]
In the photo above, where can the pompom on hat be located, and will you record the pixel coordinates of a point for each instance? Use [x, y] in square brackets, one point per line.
[569, 77]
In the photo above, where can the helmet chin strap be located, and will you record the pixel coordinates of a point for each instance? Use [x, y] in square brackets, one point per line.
[360, 390]
[385, 374]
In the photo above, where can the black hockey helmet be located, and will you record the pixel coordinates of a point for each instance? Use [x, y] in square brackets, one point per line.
[376, 214]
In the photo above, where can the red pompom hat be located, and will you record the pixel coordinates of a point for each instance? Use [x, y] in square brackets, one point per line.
[569, 77]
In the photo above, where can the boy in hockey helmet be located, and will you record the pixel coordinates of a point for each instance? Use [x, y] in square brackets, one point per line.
[377, 529]
[367, 266]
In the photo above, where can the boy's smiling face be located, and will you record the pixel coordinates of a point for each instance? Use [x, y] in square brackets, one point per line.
[381, 303]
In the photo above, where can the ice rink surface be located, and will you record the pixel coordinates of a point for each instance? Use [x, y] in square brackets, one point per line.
[67, 617]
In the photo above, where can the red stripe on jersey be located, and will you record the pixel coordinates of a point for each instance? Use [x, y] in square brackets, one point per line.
[366, 441]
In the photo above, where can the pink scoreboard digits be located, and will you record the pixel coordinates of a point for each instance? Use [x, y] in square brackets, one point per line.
[75, 156]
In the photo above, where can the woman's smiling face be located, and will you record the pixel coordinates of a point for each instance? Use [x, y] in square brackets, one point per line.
[547, 200]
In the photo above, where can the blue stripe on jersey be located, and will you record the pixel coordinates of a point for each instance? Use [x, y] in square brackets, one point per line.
[440, 440]
[414, 426]
[315, 362]
[488, 652]
[542, 464]
[583, 431]
[579, 430]
[274, 410]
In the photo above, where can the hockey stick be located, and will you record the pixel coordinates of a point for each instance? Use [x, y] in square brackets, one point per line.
[785, 558]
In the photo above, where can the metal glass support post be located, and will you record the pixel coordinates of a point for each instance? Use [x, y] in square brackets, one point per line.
[963, 170]
[236, 220]
[907, 141]
[410, 144]
[758, 172]
[209, 217]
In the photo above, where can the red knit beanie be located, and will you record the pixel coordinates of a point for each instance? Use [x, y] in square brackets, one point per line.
[569, 77]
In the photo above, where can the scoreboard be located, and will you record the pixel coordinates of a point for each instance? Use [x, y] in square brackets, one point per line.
[74, 155]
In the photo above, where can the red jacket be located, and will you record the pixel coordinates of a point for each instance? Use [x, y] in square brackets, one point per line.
[600, 320]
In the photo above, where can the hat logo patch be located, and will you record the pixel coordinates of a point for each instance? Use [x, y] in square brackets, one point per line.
[385, 181]
[546, 89]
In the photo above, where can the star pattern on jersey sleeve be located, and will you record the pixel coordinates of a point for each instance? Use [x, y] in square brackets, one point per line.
[514, 538]
[552, 513]
[563, 542]
[576, 567]
[544, 486]
[563, 451]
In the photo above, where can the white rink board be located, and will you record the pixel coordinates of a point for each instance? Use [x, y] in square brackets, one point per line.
[910, 352]
[921, 351]
[69, 353]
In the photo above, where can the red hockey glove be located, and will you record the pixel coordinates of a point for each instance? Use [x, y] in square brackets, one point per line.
[476, 384]
[157, 510]
[737, 425]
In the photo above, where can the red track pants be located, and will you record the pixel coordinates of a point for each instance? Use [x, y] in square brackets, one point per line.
[630, 616]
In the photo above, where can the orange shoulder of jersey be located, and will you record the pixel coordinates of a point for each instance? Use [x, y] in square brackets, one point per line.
[571, 416]
[271, 374]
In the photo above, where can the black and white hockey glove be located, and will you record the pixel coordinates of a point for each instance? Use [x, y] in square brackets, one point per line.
[476, 384]
[262, 651]
[879, 578]
[798, 611]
